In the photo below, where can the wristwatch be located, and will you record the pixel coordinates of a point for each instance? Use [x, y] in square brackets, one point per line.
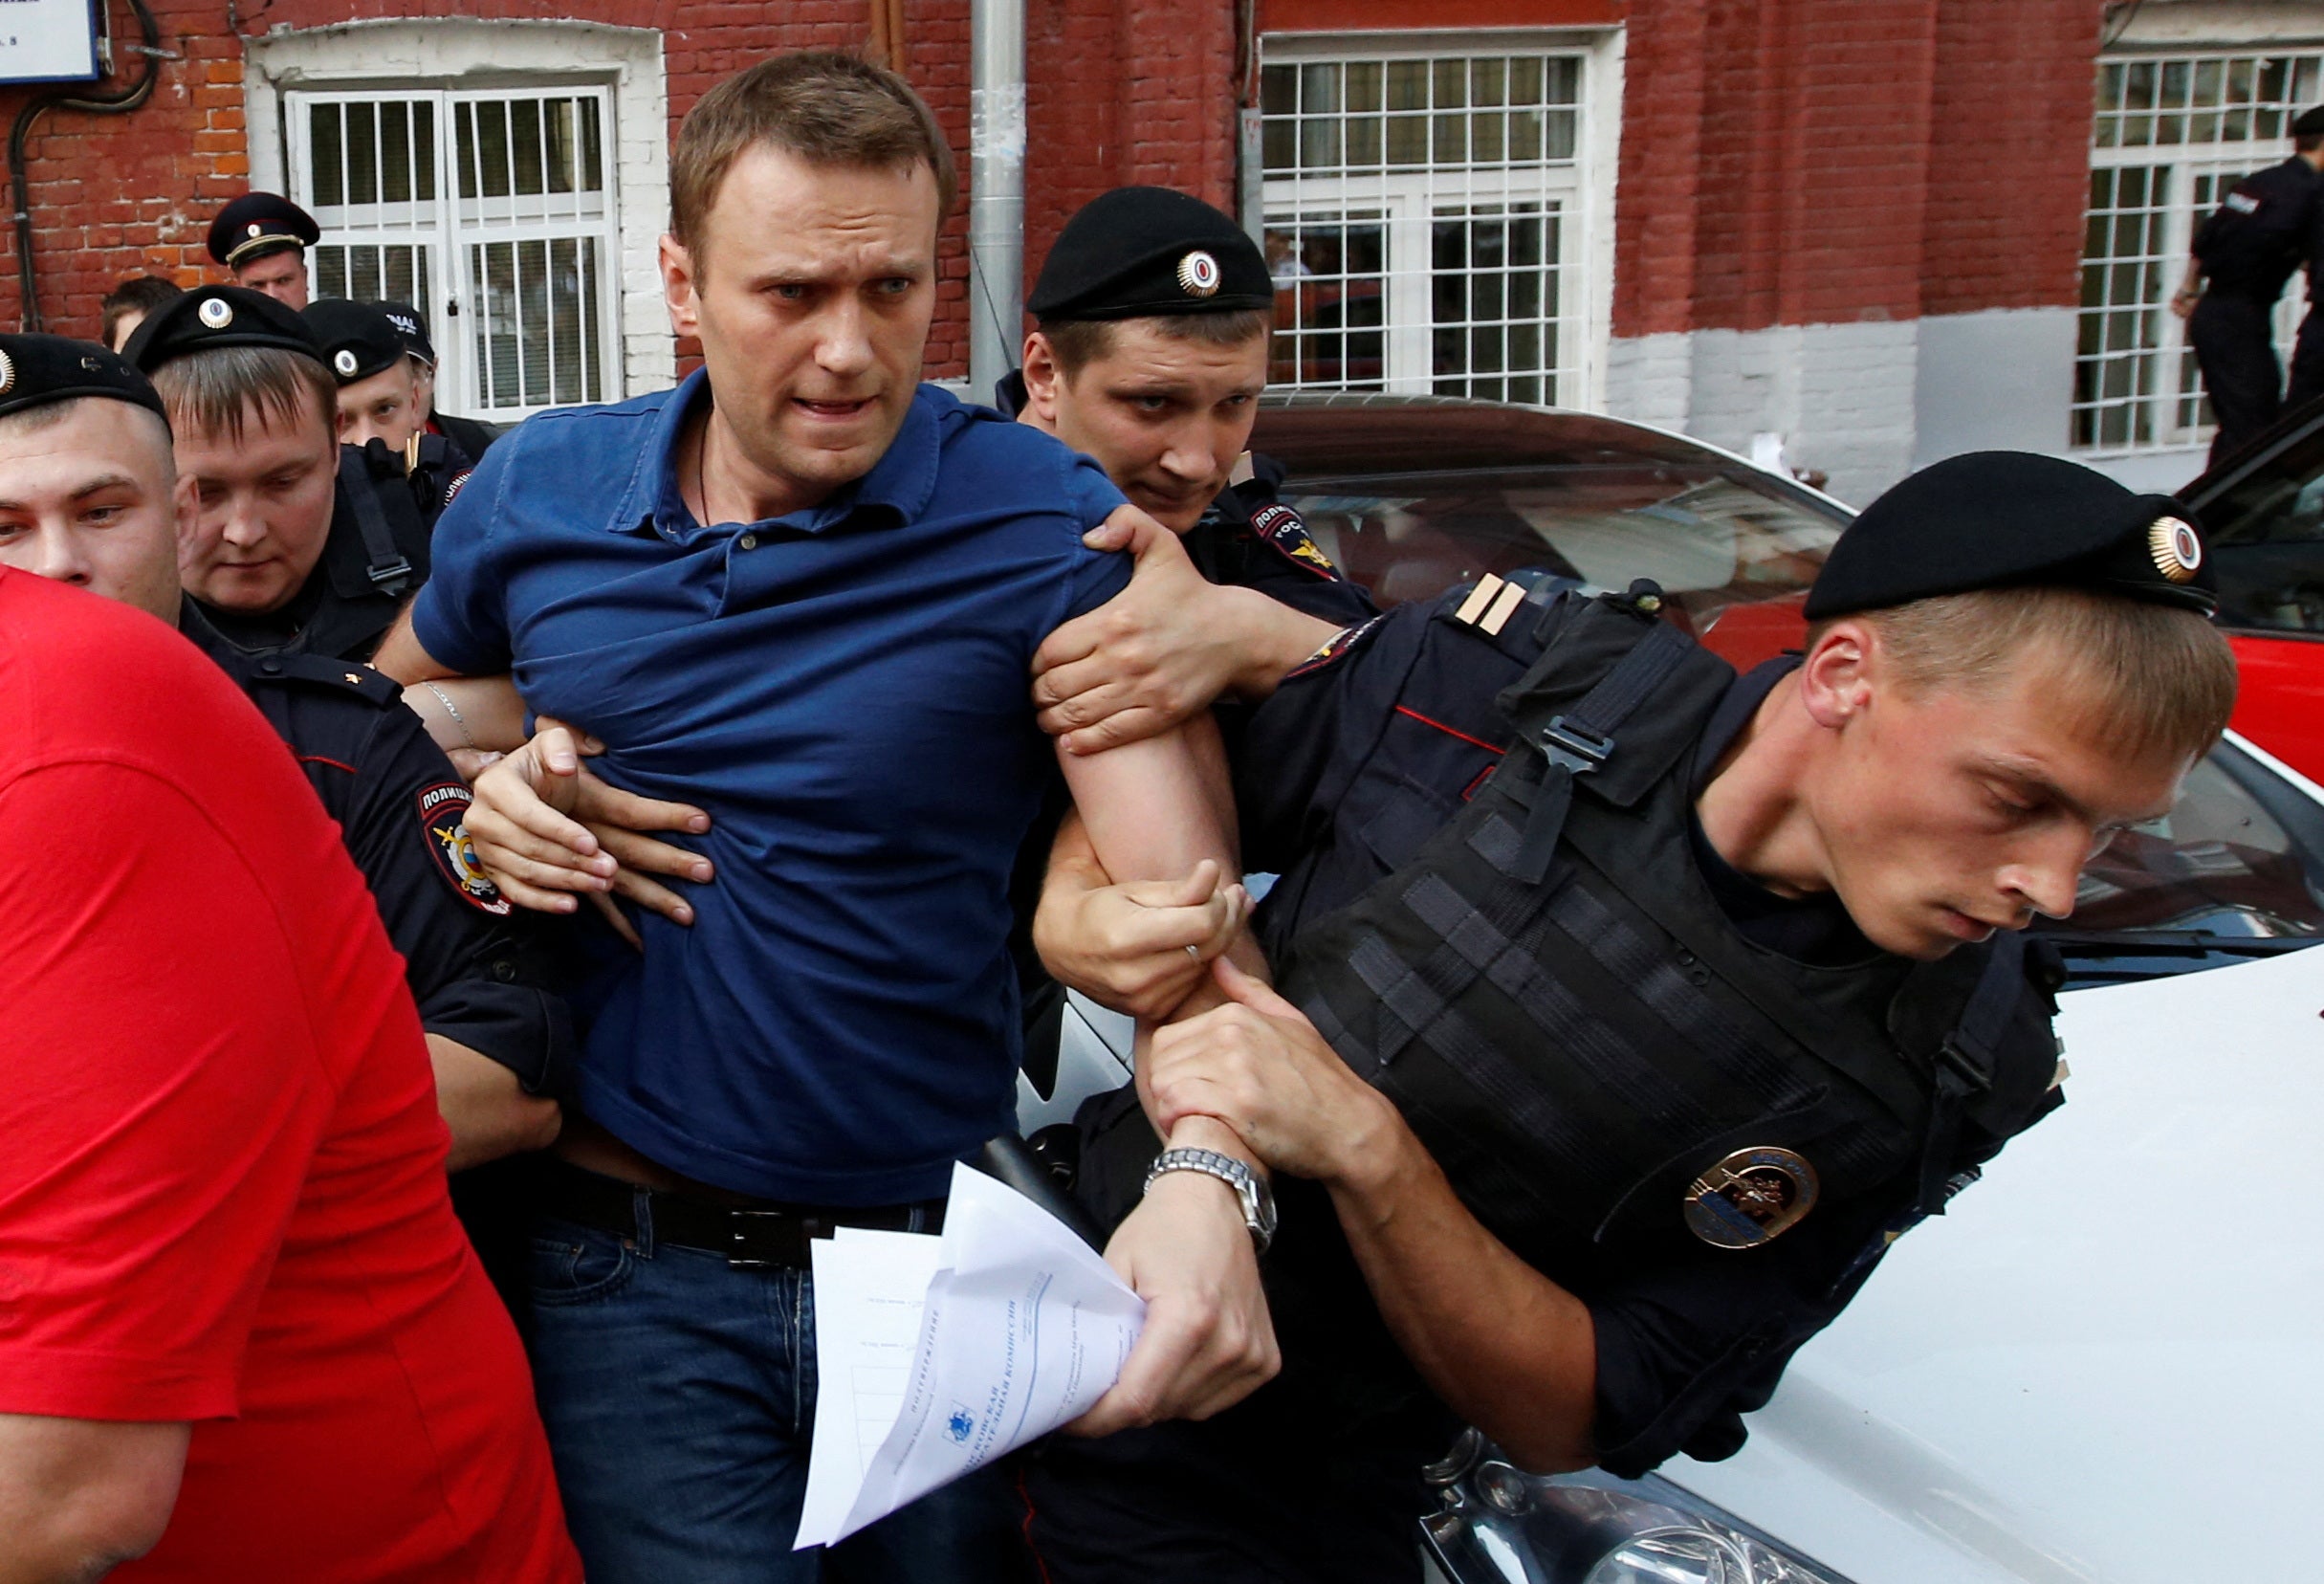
[1258, 1199]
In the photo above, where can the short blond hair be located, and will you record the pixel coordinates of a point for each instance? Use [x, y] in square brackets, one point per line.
[2162, 678]
[826, 108]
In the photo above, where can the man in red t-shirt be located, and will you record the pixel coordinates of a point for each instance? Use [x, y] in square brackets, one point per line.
[229, 1275]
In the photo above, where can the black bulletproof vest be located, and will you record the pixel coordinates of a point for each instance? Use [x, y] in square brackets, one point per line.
[1551, 996]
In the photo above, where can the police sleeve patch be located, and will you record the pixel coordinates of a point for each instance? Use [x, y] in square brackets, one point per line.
[451, 491]
[1336, 647]
[443, 810]
[1281, 527]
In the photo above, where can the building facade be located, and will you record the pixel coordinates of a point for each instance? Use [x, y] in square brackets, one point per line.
[1855, 236]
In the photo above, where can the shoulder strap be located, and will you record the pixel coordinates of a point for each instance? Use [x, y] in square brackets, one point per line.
[389, 572]
[1582, 738]
[1967, 1061]
[284, 668]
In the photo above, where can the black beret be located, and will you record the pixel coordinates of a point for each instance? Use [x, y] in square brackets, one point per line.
[358, 340]
[1145, 251]
[210, 316]
[412, 326]
[257, 224]
[35, 371]
[2003, 519]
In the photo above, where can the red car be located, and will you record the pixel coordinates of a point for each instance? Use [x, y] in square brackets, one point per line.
[2264, 507]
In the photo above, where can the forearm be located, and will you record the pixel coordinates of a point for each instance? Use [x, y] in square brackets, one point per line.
[485, 1106]
[1505, 1348]
[1274, 638]
[80, 1497]
[475, 712]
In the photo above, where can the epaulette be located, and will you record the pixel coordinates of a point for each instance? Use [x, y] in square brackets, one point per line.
[345, 676]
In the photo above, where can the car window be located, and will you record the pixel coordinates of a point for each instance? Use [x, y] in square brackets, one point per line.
[2236, 866]
[2268, 543]
[1712, 539]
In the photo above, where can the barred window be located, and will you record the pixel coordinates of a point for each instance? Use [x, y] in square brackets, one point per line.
[492, 211]
[1422, 219]
[2172, 134]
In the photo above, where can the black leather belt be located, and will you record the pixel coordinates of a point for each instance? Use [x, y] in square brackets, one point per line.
[754, 1235]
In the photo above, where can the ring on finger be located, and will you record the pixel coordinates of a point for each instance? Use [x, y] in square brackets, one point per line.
[1194, 952]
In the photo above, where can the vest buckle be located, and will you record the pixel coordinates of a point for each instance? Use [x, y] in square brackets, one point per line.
[1574, 748]
[390, 577]
[1964, 1067]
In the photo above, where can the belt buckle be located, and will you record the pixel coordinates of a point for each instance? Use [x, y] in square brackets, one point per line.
[746, 1251]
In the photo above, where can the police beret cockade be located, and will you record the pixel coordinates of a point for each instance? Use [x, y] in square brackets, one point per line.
[257, 224]
[1148, 251]
[2001, 519]
[212, 317]
[412, 326]
[36, 370]
[2309, 123]
[357, 338]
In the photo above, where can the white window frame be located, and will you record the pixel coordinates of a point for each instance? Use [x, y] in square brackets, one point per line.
[1412, 200]
[2191, 176]
[501, 59]
[453, 229]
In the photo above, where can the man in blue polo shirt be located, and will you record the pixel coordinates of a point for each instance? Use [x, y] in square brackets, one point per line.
[808, 604]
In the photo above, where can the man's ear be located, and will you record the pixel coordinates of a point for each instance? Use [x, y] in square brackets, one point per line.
[678, 287]
[1042, 378]
[186, 499]
[1841, 672]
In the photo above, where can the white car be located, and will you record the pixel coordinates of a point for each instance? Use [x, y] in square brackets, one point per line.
[2104, 1362]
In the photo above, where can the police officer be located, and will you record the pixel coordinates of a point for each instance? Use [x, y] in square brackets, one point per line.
[469, 437]
[500, 1044]
[1629, 1009]
[300, 545]
[379, 398]
[262, 240]
[2270, 225]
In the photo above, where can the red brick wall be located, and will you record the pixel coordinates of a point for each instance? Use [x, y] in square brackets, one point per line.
[120, 194]
[1826, 161]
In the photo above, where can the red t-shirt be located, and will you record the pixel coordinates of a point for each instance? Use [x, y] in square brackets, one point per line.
[222, 1192]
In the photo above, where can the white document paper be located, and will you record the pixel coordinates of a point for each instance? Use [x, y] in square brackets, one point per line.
[1021, 1328]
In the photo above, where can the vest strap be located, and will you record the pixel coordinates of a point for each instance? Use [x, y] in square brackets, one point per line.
[1577, 742]
[384, 564]
[1966, 1065]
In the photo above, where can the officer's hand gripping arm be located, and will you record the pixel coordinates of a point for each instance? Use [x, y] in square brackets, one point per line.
[1503, 1346]
[1165, 647]
[1138, 948]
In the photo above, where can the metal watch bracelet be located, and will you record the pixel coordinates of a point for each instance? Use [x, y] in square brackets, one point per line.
[1256, 1197]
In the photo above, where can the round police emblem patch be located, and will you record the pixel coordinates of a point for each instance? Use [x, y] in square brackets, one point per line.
[1753, 1197]
[8, 373]
[1198, 274]
[444, 821]
[2177, 549]
[217, 313]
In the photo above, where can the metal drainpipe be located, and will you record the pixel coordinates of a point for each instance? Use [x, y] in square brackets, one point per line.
[996, 191]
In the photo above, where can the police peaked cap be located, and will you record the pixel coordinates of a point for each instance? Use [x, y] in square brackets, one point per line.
[212, 317]
[2006, 519]
[358, 340]
[36, 370]
[2309, 123]
[412, 326]
[1143, 250]
[257, 224]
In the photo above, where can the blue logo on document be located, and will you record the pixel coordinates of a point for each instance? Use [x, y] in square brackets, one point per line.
[961, 1424]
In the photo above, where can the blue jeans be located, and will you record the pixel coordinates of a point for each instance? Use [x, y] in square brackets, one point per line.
[679, 1395]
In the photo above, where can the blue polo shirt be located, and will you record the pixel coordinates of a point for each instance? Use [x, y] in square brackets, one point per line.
[846, 692]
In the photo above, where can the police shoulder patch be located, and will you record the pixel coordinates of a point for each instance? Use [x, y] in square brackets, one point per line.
[451, 491]
[1337, 648]
[443, 810]
[1286, 530]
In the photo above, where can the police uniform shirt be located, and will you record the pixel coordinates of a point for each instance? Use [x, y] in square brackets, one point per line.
[2269, 225]
[400, 806]
[1416, 693]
